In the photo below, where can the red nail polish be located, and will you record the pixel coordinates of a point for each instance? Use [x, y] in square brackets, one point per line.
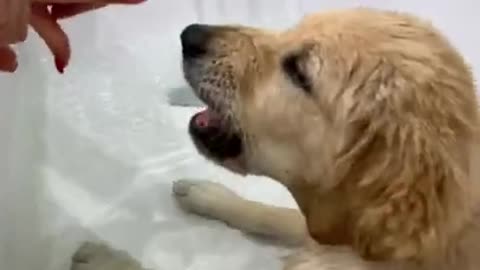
[60, 65]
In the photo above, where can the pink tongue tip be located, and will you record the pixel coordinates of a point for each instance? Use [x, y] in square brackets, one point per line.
[207, 118]
[202, 118]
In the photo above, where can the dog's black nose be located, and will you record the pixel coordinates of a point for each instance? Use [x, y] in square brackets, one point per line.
[194, 40]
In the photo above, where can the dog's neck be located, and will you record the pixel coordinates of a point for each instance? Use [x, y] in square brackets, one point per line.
[329, 219]
[326, 216]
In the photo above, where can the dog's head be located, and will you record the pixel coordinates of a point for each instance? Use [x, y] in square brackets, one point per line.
[374, 106]
[263, 114]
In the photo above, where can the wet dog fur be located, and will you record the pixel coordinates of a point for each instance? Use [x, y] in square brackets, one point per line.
[369, 118]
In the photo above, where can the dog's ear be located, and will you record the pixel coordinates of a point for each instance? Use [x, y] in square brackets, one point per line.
[405, 162]
[298, 67]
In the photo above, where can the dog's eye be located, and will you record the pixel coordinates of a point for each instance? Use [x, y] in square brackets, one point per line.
[292, 66]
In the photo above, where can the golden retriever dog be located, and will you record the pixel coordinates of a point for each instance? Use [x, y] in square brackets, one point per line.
[369, 118]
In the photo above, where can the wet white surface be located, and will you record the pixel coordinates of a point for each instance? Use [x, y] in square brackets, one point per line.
[92, 154]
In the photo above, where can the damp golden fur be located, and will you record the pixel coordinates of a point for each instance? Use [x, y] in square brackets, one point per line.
[369, 118]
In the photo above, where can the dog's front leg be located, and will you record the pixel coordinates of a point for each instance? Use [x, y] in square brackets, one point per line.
[93, 256]
[216, 201]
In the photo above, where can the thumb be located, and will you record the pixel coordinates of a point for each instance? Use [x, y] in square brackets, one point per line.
[8, 59]
[62, 11]
[97, 2]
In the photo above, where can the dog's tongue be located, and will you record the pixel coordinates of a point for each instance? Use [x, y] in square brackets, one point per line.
[207, 118]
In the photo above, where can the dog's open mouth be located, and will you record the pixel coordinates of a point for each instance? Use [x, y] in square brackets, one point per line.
[214, 136]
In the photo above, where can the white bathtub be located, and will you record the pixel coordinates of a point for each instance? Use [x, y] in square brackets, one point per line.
[92, 153]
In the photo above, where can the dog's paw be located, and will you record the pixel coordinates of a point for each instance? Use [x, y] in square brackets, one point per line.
[203, 197]
[93, 256]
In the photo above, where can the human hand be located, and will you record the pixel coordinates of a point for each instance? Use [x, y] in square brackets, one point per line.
[43, 16]
[14, 16]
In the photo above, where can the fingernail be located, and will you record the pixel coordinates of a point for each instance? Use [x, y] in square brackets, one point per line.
[60, 65]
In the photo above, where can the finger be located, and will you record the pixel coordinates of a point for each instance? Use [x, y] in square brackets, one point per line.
[53, 35]
[7, 22]
[62, 11]
[8, 59]
[13, 20]
[23, 12]
[132, 2]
